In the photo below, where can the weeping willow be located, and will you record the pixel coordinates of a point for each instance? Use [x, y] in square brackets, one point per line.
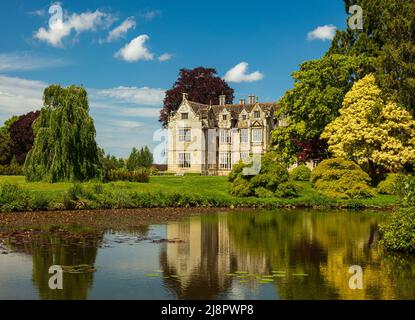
[64, 148]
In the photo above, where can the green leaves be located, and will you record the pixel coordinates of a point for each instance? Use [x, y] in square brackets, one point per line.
[64, 147]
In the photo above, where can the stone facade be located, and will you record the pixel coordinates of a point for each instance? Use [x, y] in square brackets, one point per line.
[210, 139]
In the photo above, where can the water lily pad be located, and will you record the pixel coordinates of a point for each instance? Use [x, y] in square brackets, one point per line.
[241, 272]
[152, 275]
[300, 275]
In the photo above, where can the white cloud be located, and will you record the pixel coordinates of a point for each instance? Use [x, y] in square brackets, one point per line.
[87, 21]
[121, 30]
[165, 57]
[19, 96]
[136, 50]
[133, 95]
[324, 33]
[24, 61]
[239, 73]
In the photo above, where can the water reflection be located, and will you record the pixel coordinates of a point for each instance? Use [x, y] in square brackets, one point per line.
[225, 256]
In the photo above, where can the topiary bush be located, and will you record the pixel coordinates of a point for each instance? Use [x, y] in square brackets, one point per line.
[340, 178]
[264, 184]
[399, 233]
[391, 185]
[301, 173]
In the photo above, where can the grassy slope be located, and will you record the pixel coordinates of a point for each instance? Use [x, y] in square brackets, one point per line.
[215, 187]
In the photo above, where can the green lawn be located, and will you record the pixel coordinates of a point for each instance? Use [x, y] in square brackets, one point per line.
[214, 189]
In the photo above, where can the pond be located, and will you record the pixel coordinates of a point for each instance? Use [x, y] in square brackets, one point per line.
[281, 254]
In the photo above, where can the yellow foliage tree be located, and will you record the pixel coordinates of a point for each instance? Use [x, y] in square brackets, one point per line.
[370, 131]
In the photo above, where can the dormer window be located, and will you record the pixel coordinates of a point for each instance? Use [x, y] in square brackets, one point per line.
[244, 117]
[185, 116]
[257, 114]
[225, 117]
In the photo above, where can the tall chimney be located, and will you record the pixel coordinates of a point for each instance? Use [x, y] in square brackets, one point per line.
[251, 99]
[222, 100]
[242, 102]
[185, 96]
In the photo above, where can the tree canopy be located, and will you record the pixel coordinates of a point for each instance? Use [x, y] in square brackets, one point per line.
[319, 89]
[201, 84]
[21, 134]
[388, 36]
[64, 148]
[370, 131]
[142, 158]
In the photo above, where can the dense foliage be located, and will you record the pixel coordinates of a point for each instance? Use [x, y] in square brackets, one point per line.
[264, 184]
[138, 175]
[21, 134]
[388, 37]
[201, 84]
[301, 173]
[399, 233]
[392, 184]
[64, 147]
[142, 158]
[319, 89]
[372, 132]
[340, 178]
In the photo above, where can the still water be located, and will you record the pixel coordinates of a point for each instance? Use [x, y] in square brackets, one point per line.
[294, 254]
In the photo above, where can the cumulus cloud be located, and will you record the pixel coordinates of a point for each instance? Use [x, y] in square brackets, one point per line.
[19, 96]
[78, 23]
[26, 61]
[239, 73]
[136, 50]
[323, 33]
[121, 30]
[165, 57]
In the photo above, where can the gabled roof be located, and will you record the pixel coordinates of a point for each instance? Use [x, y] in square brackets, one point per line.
[235, 109]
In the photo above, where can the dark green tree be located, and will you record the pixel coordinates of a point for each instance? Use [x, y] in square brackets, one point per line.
[388, 35]
[64, 148]
[6, 145]
[142, 158]
[145, 158]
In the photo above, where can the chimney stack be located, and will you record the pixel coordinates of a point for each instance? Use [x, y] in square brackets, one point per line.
[185, 96]
[222, 100]
[242, 102]
[251, 99]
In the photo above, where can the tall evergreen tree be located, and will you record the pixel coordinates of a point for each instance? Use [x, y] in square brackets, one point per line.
[64, 148]
[388, 35]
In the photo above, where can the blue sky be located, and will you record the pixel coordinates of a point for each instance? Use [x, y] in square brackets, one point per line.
[127, 53]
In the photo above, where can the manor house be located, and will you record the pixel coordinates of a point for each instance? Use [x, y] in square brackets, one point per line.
[210, 139]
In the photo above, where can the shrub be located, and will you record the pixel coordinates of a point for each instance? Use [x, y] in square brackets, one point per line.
[264, 184]
[13, 198]
[287, 190]
[262, 192]
[340, 178]
[301, 173]
[139, 175]
[391, 185]
[11, 170]
[399, 233]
